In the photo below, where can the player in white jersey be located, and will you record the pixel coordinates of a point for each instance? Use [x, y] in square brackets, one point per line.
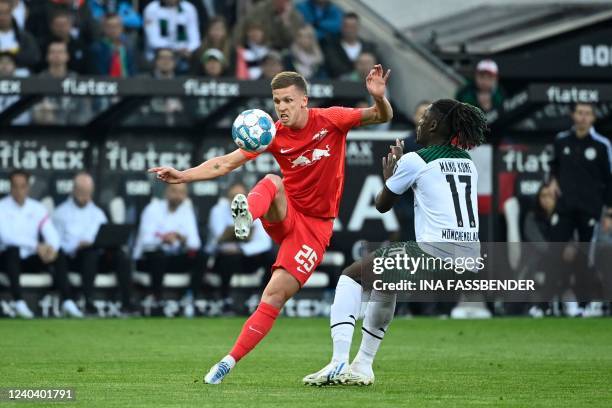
[443, 178]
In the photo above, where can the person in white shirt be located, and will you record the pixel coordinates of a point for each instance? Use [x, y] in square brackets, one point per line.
[232, 256]
[169, 241]
[23, 221]
[172, 24]
[78, 220]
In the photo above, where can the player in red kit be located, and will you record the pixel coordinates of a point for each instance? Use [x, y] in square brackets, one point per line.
[297, 210]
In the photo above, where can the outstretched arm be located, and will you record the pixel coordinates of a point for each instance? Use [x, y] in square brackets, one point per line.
[210, 169]
[376, 83]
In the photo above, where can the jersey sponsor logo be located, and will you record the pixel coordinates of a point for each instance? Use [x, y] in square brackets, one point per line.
[283, 150]
[310, 156]
[320, 134]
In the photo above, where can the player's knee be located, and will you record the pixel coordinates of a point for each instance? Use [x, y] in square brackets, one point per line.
[275, 298]
[278, 182]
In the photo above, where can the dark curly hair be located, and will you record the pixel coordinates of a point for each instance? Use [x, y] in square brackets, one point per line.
[466, 124]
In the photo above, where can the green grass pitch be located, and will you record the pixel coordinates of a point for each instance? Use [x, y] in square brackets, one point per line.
[422, 362]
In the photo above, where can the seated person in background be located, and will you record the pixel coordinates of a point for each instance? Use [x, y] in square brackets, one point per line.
[211, 65]
[251, 48]
[22, 221]
[279, 19]
[483, 91]
[232, 256]
[78, 220]
[112, 55]
[168, 240]
[63, 29]
[216, 37]
[305, 55]
[323, 15]
[172, 24]
[342, 52]
[60, 110]
[271, 65]
[536, 229]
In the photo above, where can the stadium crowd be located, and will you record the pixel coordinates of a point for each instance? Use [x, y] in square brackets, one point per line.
[243, 39]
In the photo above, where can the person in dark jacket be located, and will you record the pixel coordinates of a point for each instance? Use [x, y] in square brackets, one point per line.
[112, 55]
[581, 174]
[18, 42]
[341, 53]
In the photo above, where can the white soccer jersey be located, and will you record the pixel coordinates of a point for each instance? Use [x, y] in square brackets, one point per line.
[444, 180]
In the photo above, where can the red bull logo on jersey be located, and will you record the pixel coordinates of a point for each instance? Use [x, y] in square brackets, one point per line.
[310, 156]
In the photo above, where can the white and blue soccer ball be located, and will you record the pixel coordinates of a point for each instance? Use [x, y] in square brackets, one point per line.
[253, 130]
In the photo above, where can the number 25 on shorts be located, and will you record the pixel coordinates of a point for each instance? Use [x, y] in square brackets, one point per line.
[307, 258]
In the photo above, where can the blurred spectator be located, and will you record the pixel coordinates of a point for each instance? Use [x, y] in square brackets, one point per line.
[168, 240]
[216, 37]
[232, 256]
[537, 224]
[172, 24]
[279, 20]
[164, 64]
[15, 40]
[363, 64]
[161, 110]
[305, 55]
[342, 52]
[251, 50]
[271, 65]
[62, 29]
[123, 8]
[83, 27]
[112, 55]
[8, 69]
[483, 91]
[59, 110]
[78, 220]
[211, 65]
[210, 10]
[23, 221]
[323, 15]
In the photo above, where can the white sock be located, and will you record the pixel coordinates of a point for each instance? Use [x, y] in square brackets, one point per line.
[378, 316]
[343, 314]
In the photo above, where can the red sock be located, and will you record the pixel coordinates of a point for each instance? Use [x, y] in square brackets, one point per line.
[254, 330]
[260, 198]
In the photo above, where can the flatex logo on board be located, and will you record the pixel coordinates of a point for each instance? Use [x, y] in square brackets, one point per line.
[572, 94]
[194, 87]
[73, 86]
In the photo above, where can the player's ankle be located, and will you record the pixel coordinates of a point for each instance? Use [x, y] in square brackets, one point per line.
[228, 359]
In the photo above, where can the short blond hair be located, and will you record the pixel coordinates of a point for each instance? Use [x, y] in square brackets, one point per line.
[287, 78]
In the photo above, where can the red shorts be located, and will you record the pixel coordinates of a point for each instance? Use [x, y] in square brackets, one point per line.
[302, 241]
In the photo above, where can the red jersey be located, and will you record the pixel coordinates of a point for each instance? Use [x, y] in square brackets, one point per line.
[312, 159]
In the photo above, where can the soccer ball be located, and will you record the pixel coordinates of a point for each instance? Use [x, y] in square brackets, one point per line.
[253, 130]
